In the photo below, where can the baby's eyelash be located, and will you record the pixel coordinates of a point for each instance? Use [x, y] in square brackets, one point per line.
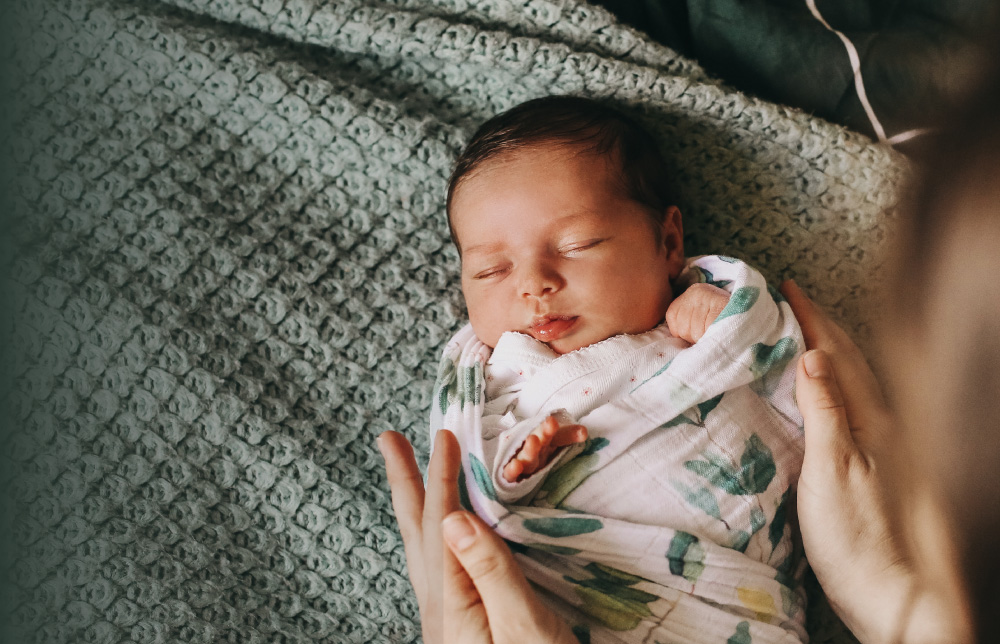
[488, 273]
[583, 246]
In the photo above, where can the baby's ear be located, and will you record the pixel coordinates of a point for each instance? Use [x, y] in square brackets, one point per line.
[673, 240]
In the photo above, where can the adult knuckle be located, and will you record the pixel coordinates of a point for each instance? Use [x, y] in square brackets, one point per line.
[844, 465]
[521, 630]
[398, 480]
[827, 395]
[409, 532]
[488, 569]
[829, 401]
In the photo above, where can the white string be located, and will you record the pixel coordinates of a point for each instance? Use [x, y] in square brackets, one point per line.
[907, 135]
[859, 85]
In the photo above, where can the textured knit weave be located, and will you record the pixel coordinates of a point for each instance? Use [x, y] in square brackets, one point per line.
[232, 272]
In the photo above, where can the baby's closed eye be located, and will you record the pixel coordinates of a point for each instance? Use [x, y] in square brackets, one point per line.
[490, 272]
[577, 247]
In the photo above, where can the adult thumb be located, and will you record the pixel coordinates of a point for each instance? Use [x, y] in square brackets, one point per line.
[824, 416]
[512, 607]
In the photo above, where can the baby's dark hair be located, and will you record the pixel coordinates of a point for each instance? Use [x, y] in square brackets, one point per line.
[594, 126]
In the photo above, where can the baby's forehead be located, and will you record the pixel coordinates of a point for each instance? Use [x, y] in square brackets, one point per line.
[519, 176]
[558, 151]
[557, 155]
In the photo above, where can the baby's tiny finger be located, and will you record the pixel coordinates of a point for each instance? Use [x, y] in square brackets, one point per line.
[569, 435]
[513, 470]
[529, 451]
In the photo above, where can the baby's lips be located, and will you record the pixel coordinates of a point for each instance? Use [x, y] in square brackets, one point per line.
[548, 328]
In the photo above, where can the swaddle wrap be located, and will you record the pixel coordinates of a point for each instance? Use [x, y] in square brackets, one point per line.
[669, 523]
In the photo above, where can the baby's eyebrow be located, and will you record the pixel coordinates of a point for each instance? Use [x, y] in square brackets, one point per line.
[483, 249]
[487, 248]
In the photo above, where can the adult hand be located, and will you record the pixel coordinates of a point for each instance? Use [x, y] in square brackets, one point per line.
[844, 510]
[471, 591]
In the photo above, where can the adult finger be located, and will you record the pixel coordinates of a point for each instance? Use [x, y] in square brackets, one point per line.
[829, 442]
[863, 401]
[407, 488]
[445, 576]
[512, 608]
[818, 330]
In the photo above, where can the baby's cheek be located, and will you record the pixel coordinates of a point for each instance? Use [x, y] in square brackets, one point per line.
[487, 322]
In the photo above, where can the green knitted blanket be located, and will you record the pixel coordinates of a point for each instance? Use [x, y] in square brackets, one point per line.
[229, 270]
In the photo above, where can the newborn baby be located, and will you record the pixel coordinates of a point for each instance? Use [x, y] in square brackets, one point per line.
[641, 473]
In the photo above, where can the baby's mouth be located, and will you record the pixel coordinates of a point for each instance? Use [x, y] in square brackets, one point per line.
[547, 328]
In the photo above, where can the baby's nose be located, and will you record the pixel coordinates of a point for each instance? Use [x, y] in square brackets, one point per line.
[540, 281]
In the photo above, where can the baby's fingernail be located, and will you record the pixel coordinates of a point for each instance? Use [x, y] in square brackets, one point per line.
[816, 364]
[458, 530]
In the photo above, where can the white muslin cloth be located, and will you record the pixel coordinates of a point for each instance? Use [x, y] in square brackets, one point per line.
[669, 523]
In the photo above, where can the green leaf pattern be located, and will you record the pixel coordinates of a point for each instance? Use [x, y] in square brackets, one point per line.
[701, 498]
[754, 474]
[742, 634]
[789, 602]
[702, 410]
[683, 397]
[741, 538]
[446, 384]
[686, 556]
[768, 362]
[750, 477]
[463, 490]
[704, 276]
[658, 372]
[610, 598]
[777, 529]
[568, 476]
[482, 477]
[740, 302]
[470, 385]
[562, 526]
[458, 384]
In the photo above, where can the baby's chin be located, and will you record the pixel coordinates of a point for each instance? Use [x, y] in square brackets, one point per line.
[571, 343]
[562, 347]
[574, 341]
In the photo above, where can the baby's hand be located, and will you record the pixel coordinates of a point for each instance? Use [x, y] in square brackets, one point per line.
[539, 446]
[691, 313]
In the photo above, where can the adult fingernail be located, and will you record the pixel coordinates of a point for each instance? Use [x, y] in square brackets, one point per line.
[379, 443]
[816, 364]
[458, 530]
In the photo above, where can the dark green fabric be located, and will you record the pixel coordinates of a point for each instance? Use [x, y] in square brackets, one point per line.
[911, 51]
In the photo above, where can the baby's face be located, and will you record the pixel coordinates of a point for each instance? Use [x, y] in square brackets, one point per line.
[554, 248]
